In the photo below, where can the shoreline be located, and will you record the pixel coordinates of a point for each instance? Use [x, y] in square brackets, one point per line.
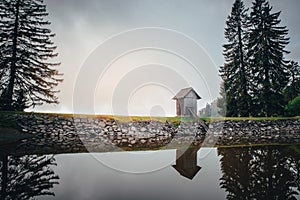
[156, 118]
[58, 133]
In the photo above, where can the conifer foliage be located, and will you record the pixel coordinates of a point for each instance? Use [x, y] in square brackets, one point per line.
[266, 49]
[235, 70]
[256, 74]
[27, 76]
[293, 89]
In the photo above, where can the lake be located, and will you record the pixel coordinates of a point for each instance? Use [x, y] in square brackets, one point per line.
[51, 156]
[257, 172]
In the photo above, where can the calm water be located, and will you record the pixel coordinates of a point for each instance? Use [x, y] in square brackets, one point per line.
[266, 172]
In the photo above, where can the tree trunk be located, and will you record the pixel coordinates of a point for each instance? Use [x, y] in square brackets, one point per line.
[243, 113]
[4, 170]
[13, 59]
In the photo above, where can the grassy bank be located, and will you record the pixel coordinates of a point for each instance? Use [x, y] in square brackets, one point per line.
[144, 118]
[252, 118]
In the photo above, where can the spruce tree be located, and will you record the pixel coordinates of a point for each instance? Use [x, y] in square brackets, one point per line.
[235, 73]
[293, 89]
[27, 76]
[266, 50]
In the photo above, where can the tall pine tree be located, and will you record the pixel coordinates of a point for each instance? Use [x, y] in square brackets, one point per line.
[235, 71]
[27, 77]
[266, 50]
[293, 89]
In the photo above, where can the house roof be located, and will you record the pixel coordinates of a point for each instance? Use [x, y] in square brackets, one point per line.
[182, 93]
[188, 173]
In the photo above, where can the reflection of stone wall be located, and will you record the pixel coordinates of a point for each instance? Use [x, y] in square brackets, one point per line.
[59, 134]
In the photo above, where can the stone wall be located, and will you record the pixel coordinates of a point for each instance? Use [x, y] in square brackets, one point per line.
[58, 133]
[257, 132]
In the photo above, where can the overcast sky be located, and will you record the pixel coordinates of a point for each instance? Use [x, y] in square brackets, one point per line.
[109, 67]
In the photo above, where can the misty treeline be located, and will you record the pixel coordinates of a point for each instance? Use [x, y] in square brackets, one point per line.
[258, 80]
[27, 76]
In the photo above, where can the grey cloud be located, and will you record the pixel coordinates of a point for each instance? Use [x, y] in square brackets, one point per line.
[81, 25]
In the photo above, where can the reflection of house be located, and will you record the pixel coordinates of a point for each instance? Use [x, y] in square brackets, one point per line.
[186, 162]
[186, 159]
[186, 102]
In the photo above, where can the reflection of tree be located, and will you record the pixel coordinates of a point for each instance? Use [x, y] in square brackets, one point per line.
[236, 181]
[274, 177]
[260, 172]
[27, 177]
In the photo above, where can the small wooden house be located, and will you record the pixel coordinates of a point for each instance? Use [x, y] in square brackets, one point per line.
[186, 102]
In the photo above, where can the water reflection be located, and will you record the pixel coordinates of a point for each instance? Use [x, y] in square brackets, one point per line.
[269, 172]
[26, 177]
[186, 161]
[264, 172]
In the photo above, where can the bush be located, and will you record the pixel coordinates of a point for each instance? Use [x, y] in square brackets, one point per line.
[293, 107]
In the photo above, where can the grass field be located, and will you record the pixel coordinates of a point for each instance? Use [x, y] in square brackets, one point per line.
[147, 118]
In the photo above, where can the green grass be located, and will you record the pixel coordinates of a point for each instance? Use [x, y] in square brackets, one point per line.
[250, 118]
[148, 118]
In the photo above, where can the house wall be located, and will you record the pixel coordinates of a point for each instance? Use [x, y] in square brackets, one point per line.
[180, 107]
[178, 110]
[189, 102]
